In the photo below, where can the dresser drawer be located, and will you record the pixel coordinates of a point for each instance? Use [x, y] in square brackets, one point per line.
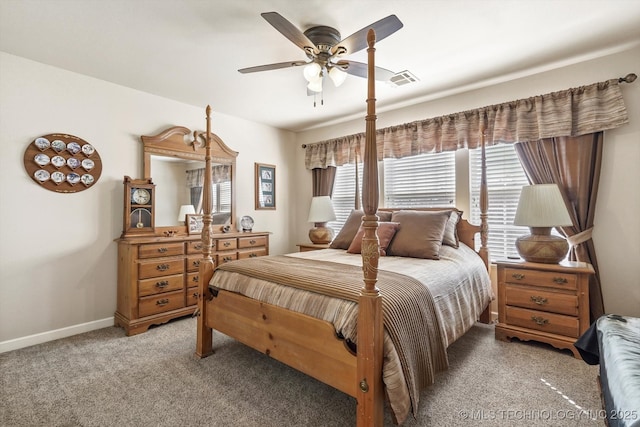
[542, 321]
[193, 262]
[226, 257]
[192, 296]
[160, 284]
[252, 253]
[539, 299]
[226, 244]
[548, 279]
[165, 267]
[250, 242]
[160, 303]
[161, 249]
[195, 247]
[193, 279]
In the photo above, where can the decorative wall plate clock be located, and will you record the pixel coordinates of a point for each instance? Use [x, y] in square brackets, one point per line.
[53, 160]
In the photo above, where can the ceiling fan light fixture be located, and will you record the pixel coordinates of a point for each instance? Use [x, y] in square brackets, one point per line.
[315, 86]
[337, 76]
[312, 72]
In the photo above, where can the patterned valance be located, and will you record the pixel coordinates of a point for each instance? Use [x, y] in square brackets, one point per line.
[569, 112]
[220, 173]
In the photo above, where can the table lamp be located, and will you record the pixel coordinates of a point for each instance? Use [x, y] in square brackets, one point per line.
[184, 210]
[540, 208]
[320, 212]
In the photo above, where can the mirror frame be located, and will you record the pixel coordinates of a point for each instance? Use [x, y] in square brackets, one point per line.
[174, 142]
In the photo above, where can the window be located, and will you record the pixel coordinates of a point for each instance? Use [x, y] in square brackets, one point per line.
[424, 180]
[344, 190]
[505, 178]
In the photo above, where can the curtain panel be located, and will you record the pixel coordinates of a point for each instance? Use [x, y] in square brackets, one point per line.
[220, 173]
[570, 112]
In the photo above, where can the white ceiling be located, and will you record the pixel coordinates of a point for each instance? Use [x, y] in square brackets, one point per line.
[190, 50]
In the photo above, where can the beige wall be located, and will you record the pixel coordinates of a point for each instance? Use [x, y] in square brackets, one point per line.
[617, 228]
[57, 255]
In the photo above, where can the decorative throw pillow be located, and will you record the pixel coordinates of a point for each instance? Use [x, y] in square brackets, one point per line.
[349, 230]
[419, 235]
[450, 237]
[386, 231]
[385, 216]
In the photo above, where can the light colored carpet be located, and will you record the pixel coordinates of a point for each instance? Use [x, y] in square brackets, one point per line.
[103, 378]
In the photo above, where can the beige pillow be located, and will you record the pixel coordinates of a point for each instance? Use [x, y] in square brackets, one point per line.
[349, 230]
[420, 233]
[450, 237]
[386, 231]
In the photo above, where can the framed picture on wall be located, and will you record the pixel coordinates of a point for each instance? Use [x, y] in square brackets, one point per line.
[265, 186]
[194, 223]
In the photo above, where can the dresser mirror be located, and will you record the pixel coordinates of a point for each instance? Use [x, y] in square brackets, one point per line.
[174, 160]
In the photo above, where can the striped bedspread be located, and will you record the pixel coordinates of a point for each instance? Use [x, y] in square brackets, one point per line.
[426, 307]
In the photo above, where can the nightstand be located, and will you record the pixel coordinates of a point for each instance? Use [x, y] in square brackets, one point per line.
[543, 302]
[304, 247]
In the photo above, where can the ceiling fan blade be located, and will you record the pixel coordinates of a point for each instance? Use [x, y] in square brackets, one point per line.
[358, 40]
[290, 31]
[272, 66]
[361, 69]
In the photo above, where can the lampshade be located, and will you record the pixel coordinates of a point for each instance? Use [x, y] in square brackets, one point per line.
[337, 76]
[541, 207]
[312, 71]
[315, 85]
[320, 212]
[184, 210]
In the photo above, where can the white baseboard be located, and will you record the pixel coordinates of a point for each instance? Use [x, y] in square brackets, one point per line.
[43, 337]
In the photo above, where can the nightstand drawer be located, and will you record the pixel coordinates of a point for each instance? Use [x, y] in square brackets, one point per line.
[536, 299]
[161, 303]
[542, 321]
[549, 279]
[160, 268]
[160, 284]
[162, 249]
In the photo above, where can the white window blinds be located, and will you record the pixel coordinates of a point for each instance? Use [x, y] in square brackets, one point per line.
[426, 180]
[344, 190]
[505, 178]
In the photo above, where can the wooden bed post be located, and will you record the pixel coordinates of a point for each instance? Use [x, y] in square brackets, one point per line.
[485, 316]
[370, 394]
[204, 341]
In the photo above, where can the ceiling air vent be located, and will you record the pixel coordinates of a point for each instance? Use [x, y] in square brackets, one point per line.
[402, 78]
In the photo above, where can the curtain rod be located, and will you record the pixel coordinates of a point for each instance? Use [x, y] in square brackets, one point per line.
[629, 78]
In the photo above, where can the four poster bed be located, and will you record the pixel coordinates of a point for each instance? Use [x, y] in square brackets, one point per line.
[311, 311]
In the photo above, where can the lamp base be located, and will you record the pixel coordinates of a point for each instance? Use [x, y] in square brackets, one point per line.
[321, 235]
[543, 248]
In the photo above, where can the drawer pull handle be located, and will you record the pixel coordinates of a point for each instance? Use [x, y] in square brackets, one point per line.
[198, 246]
[162, 250]
[227, 259]
[163, 301]
[162, 267]
[195, 279]
[518, 276]
[559, 280]
[213, 245]
[538, 300]
[196, 263]
[162, 284]
[195, 295]
[252, 242]
[226, 244]
[540, 320]
[253, 255]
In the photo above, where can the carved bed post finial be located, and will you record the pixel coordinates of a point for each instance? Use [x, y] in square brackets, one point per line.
[370, 327]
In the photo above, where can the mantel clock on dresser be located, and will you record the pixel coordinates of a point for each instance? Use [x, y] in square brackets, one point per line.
[139, 204]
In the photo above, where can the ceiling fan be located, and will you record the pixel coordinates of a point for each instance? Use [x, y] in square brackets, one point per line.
[325, 50]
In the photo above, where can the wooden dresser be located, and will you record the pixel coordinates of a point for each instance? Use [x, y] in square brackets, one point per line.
[543, 302]
[158, 276]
